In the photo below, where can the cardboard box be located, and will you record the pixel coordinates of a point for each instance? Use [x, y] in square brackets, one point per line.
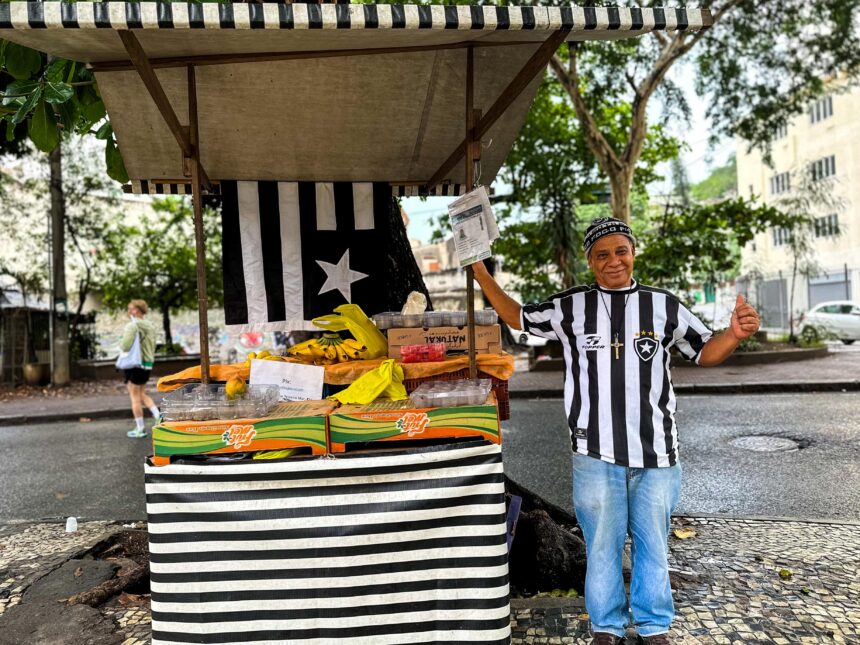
[385, 420]
[293, 424]
[488, 338]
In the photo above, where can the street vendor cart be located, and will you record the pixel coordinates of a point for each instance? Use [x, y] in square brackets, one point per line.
[279, 105]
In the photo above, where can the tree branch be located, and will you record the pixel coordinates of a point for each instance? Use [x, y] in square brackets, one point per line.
[603, 151]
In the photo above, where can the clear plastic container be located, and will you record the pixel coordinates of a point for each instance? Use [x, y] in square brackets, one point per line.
[412, 320]
[444, 394]
[486, 317]
[387, 320]
[197, 402]
[457, 318]
[435, 318]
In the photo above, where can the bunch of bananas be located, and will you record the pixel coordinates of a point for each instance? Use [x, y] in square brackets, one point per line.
[329, 349]
[265, 355]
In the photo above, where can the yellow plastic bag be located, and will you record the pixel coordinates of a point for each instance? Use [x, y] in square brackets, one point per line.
[352, 319]
[386, 380]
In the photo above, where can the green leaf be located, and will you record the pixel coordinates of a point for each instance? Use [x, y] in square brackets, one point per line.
[93, 112]
[22, 62]
[56, 71]
[10, 131]
[105, 132]
[115, 165]
[27, 106]
[13, 91]
[2, 53]
[43, 128]
[68, 112]
[58, 92]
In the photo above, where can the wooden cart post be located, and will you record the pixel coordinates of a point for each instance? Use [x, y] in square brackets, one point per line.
[470, 184]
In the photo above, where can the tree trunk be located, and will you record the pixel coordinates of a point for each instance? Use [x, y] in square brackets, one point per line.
[165, 323]
[61, 375]
[620, 182]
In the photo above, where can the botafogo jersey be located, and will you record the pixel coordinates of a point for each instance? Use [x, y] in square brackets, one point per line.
[618, 392]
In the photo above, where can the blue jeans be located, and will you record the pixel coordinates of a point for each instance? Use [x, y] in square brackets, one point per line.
[612, 501]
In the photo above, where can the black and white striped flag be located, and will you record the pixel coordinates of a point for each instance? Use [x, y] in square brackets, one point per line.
[296, 250]
[403, 547]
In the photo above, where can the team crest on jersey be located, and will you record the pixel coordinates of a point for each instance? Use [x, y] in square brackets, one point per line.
[593, 342]
[646, 343]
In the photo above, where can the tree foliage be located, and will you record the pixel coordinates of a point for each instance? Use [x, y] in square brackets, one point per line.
[45, 98]
[155, 259]
[721, 183]
[759, 65]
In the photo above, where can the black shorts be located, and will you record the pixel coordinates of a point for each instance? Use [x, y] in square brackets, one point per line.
[136, 375]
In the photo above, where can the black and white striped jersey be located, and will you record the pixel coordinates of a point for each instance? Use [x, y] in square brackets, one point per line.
[618, 393]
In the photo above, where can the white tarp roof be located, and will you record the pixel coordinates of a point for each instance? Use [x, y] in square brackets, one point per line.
[384, 117]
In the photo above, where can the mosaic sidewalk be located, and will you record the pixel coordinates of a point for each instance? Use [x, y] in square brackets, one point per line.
[735, 581]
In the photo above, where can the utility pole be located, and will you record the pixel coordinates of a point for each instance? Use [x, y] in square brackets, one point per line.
[60, 309]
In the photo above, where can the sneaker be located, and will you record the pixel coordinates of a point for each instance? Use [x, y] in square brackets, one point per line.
[605, 638]
[136, 434]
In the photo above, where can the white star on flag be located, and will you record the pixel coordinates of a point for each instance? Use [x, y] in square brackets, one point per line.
[339, 276]
[646, 347]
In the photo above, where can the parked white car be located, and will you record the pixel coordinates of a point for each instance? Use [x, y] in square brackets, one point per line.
[839, 317]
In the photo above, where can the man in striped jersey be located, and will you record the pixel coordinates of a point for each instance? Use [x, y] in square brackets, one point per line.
[620, 408]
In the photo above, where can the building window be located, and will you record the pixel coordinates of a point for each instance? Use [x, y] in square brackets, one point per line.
[823, 168]
[781, 236]
[781, 131]
[821, 109]
[780, 183]
[827, 226]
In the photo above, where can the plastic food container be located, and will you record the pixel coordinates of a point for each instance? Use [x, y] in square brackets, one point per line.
[198, 402]
[435, 318]
[427, 353]
[444, 394]
[387, 320]
[457, 318]
[486, 317]
[412, 320]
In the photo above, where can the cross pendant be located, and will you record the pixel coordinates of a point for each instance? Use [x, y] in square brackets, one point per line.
[616, 345]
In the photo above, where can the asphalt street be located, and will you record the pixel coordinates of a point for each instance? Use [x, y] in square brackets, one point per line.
[820, 480]
[93, 471]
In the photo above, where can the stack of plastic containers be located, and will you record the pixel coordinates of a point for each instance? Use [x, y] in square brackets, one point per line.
[209, 402]
[446, 394]
[394, 320]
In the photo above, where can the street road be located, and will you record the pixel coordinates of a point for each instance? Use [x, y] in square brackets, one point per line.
[820, 480]
[92, 471]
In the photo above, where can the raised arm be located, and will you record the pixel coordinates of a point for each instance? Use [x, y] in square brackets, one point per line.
[507, 308]
[744, 323]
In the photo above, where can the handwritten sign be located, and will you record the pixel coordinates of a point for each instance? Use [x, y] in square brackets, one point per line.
[296, 382]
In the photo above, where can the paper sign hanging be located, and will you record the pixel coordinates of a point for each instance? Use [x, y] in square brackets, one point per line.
[296, 382]
[474, 226]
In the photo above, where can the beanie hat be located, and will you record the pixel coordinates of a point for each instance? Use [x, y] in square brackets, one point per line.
[602, 226]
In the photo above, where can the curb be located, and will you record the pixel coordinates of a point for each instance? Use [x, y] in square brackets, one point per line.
[53, 417]
[544, 393]
[719, 388]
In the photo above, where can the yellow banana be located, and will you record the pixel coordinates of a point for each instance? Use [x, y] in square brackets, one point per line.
[342, 355]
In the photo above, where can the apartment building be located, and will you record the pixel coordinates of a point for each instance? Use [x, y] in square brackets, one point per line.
[825, 143]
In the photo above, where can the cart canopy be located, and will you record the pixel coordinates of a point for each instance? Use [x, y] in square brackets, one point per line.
[315, 92]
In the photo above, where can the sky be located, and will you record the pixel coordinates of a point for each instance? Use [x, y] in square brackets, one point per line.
[699, 159]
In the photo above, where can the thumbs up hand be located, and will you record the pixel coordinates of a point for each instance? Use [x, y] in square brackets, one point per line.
[745, 321]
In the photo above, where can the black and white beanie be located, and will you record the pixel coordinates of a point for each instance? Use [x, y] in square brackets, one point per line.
[605, 226]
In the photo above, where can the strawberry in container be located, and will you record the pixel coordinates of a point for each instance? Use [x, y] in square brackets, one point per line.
[426, 353]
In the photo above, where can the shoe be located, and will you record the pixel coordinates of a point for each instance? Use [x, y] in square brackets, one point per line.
[136, 434]
[656, 639]
[605, 638]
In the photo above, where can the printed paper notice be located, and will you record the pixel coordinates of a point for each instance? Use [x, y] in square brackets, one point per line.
[295, 381]
[474, 226]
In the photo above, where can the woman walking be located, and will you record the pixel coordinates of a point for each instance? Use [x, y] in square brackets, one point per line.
[136, 377]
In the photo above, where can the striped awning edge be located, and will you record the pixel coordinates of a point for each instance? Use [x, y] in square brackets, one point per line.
[162, 187]
[182, 15]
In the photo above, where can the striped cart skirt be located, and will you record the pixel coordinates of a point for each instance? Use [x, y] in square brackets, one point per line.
[399, 547]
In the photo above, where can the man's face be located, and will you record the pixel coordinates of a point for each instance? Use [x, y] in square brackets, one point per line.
[611, 260]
